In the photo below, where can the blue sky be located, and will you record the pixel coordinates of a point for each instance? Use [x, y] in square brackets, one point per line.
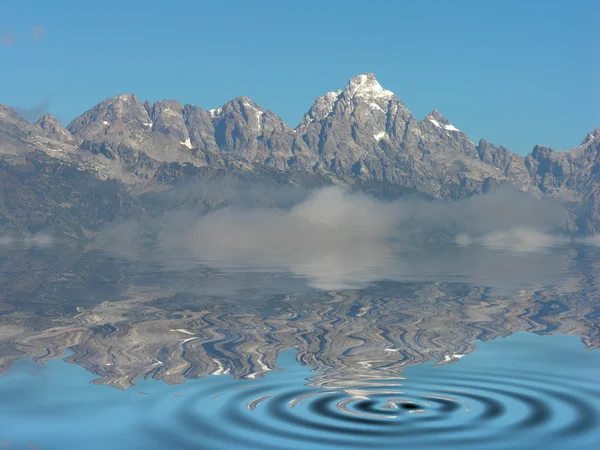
[518, 73]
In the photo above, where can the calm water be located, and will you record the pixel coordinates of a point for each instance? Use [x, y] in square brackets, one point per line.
[102, 351]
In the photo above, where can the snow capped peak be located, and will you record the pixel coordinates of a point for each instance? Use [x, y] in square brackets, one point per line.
[366, 85]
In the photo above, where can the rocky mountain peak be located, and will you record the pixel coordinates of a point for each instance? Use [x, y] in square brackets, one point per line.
[121, 103]
[436, 115]
[51, 127]
[241, 109]
[321, 108]
[244, 129]
[243, 106]
[593, 136]
[247, 104]
[48, 120]
[363, 100]
[366, 86]
[122, 113]
[166, 107]
[439, 121]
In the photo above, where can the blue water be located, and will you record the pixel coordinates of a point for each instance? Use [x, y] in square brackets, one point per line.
[521, 392]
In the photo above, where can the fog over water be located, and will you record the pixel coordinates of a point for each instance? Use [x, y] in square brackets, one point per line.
[338, 239]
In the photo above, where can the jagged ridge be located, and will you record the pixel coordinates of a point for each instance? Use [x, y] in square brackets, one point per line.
[363, 133]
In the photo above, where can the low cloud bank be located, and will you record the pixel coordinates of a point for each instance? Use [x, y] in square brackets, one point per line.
[337, 239]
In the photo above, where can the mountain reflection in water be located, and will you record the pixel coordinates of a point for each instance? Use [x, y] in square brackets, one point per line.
[125, 321]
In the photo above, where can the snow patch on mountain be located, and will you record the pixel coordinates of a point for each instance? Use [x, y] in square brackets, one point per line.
[448, 127]
[376, 107]
[187, 143]
[258, 114]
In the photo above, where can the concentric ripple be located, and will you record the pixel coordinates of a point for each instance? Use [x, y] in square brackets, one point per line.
[484, 409]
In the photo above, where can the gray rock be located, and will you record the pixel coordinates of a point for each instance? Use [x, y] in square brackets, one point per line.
[246, 131]
[572, 177]
[167, 119]
[513, 166]
[200, 128]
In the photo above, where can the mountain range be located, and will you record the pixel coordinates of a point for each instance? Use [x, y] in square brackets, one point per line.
[116, 160]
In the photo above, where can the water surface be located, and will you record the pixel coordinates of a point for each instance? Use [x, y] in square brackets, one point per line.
[102, 351]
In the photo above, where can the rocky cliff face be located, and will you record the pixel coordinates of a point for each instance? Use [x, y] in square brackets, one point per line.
[362, 134]
[572, 176]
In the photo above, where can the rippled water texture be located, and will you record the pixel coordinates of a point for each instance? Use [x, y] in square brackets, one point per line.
[524, 391]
